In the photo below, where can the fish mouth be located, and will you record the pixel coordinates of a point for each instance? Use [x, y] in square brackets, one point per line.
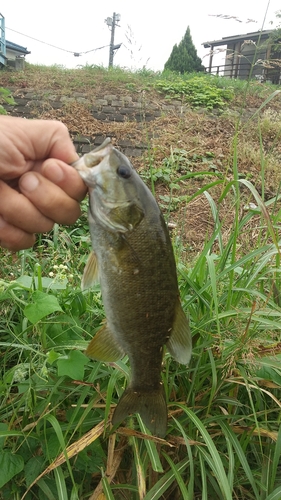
[94, 158]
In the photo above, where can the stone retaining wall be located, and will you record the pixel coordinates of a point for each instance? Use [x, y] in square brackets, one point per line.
[110, 107]
[137, 107]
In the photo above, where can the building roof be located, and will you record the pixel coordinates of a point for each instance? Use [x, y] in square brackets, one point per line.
[230, 39]
[16, 47]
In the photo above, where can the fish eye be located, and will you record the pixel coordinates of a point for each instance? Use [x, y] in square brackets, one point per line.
[124, 172]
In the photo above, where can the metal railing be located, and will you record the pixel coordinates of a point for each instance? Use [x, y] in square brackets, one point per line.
[243, 70]
[2, 40]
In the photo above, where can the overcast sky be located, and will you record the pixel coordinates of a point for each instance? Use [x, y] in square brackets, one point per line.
[78, 26]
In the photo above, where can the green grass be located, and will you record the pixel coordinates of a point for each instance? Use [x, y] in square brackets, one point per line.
[224, 431]
[224, 437]
[195, 88]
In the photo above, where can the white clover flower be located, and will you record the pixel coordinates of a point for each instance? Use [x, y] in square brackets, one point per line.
[20, 374]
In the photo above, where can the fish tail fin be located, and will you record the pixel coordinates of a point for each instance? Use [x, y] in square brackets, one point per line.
[150, 405]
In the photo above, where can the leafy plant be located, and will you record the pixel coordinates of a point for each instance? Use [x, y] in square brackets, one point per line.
[224, 434]
[198, 91]
[5, 98]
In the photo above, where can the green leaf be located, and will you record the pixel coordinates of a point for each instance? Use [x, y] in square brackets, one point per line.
[178, 477]
[107, 490]
[73, 365]
[43, 305]
[32, 469]
[275, 495]
[215, 461]
[52, 356]
[10, 465]
[240, 455]
[60, 484]
[50, 283]
[151, 448]
[3, 427]
[165, 481]
[44, 486]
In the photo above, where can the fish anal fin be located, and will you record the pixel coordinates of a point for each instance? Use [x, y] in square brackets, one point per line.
[104, 346]
[151, 405]
[90, 275]
[180, 342]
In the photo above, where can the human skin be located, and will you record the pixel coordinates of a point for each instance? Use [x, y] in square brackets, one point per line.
[38, 187]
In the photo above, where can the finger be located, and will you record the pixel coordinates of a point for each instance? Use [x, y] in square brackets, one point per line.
[20, 212]
[31, 141]
[66, 177]
[49, 199]
[51, 140]
[14, 238]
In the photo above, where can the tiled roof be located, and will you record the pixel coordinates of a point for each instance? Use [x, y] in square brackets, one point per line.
[248, 36]
[18, 48]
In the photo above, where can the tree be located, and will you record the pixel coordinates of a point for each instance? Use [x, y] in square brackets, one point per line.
[184, 58]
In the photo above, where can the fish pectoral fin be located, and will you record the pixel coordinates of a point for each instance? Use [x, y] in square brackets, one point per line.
[126, 217]
[104, 346]
[90, 275]
[151, 405]
[180, 342]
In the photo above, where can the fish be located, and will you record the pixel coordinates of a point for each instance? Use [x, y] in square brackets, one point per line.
[132, 257]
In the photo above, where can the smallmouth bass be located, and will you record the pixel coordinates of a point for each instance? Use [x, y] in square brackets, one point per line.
[133, 259]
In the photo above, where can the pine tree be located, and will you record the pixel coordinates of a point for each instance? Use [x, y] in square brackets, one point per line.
[184, 58]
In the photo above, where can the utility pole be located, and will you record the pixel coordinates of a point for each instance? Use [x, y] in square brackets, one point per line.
[112, 22]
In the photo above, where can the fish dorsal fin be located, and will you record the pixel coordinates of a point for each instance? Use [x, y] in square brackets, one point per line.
[90, 275]
[180, 342]
[104, 347]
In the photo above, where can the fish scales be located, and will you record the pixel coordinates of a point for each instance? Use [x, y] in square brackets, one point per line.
[133, 257]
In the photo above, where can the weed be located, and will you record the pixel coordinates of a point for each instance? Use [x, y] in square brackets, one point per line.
[197, 91]
[5, 98]
[224, 437]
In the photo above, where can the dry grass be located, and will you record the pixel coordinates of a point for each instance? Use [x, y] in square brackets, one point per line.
[200, 134]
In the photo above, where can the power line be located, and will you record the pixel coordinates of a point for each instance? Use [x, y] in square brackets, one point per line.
[76, 54]
[98, 48]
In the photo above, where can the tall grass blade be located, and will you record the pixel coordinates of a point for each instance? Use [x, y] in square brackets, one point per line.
[241, 456]
[217, 229]
[165, 482]
[275, 495]
[203, 478]
[215, 460]
[57, 428]
[191, 460]
[213, 280]
[151, 448]
[106, 489]
[60, 484]
[276, 460]
[46, 490]
[178, 477]
[139, 468]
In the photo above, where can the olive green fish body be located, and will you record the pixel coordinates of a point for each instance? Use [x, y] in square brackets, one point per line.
[136, 267]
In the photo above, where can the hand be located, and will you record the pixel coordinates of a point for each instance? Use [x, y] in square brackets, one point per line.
[37, 186]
